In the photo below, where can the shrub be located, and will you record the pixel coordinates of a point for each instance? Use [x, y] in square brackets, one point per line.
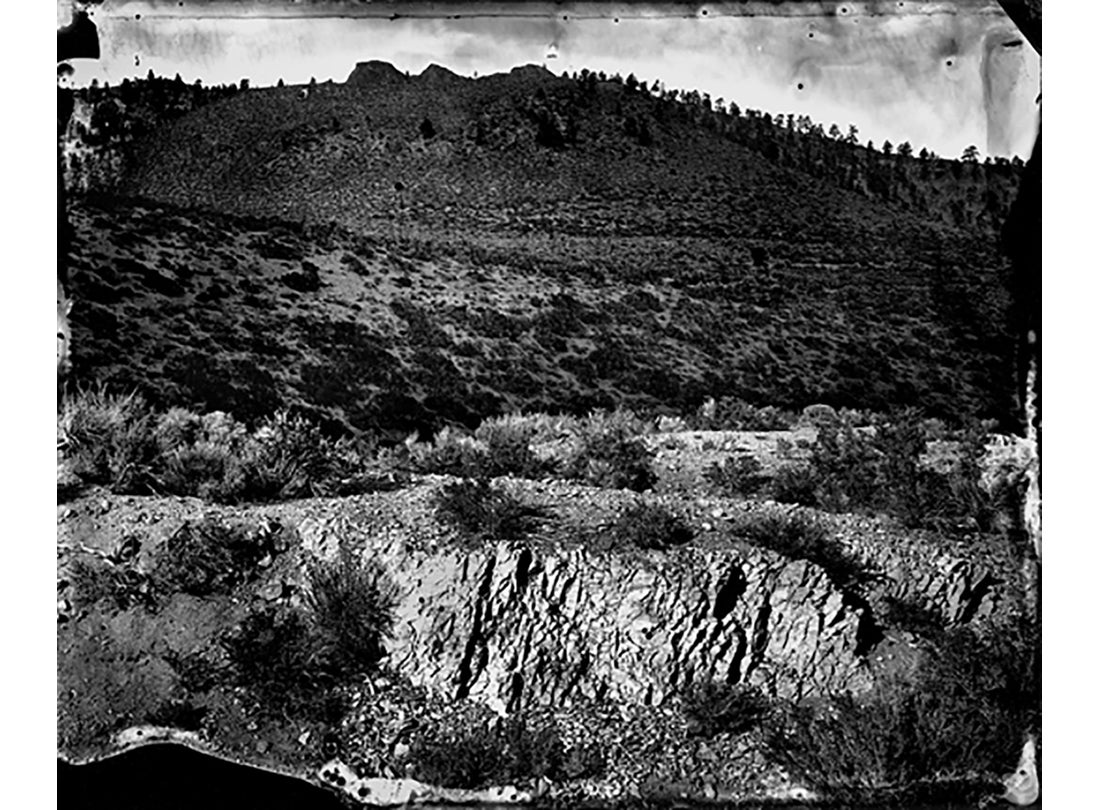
[451, 452]
[884, 470]
[732, 413]
[507, 443]
[120, 584]
[795, 483]
[119, 442]
[210, 557]
[962, 717]
[717, 708]
[215, 458]
[498, 447]
[481, 512]
[737, 475]
[274, 654]
[798, 537]
[352, 606]
[650, 526]
[608, 451]
[106, 438]
[846, 467]
[488, 754]
[287, 457]
[200, 455]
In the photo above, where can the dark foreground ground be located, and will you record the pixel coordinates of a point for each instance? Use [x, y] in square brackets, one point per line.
[174, 777]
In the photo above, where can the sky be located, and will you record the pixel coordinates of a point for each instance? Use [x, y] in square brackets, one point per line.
[940, 75]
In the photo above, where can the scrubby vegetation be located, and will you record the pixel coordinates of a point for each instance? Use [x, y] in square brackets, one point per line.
[276, 360]
[799, 536]
[600, 298]
[118, 441]
[649, 526]
[119, 584]
[352, 604]
[958, 721]
[211, 557]
[500, 446]
[481, 512]
[607, 451]
[713, 708]
[738, 475]
[502, 752]
[292, 658]
[884, 469]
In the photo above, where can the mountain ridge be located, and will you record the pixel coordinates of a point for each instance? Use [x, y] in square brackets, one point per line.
[425, 256]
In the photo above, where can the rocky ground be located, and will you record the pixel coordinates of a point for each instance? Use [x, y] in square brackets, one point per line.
[604, 639]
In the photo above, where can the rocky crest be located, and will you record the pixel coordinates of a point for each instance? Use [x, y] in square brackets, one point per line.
[375, 73]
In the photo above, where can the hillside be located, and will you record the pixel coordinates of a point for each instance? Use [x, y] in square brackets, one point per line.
[401, 252]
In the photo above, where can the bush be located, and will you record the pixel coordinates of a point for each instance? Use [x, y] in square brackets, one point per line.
[608, 451]
[106, 439]
[481, 512]
[352, 607]
[795, 483]
[716, 708]
[451, 452]
[119, 442]
[799, 537]
[507, 443]
[488, 755]
[286, 457]
[210, 557]
[884, 470]
[962, 718]
[498, 447]
[732, 413]
[737, 475]
[650, 526]
[275, 655]
[846, 468]
[200, 456]
[120, 584]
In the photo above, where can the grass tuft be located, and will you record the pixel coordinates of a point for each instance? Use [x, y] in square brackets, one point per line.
[352, 606]
[481, 512]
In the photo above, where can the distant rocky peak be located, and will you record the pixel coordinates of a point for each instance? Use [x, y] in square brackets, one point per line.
[437, 74]
[375, 72]
[531, 71]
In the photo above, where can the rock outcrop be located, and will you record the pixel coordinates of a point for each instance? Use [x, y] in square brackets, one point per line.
[375, 73]
[517, 626]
